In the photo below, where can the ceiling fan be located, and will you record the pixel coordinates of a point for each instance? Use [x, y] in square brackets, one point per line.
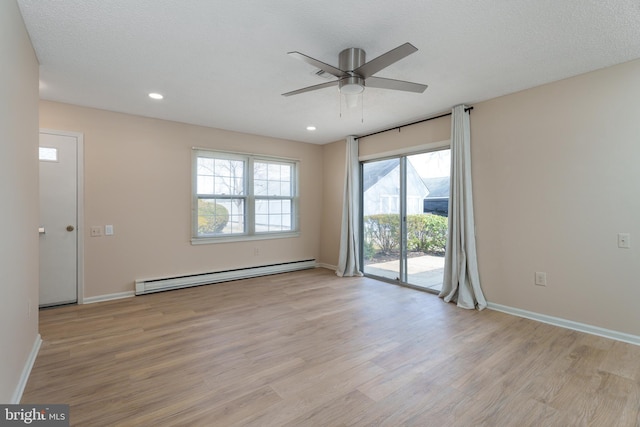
[354, 73]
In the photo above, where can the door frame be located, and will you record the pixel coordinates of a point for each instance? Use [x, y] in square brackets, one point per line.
[79, 204]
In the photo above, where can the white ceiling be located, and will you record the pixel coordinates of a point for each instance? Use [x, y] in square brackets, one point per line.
[224, 64]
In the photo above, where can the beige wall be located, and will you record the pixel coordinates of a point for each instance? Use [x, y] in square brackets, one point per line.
[19, 199]
[138, 178]
[422, 135]
[556, 177]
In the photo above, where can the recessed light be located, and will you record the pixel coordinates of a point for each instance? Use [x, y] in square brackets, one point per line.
[154, 95]
[311, 128]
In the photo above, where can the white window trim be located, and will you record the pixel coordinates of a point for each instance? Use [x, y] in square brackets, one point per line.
[243, 238]
[250, 198]
[407, 151]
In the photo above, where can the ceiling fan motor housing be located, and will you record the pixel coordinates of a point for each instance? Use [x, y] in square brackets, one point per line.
[349, 60]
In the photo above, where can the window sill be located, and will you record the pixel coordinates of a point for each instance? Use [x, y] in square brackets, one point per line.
[242, 238]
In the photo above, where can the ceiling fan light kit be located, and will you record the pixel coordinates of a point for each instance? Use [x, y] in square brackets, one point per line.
[354, 73]
[351, 85]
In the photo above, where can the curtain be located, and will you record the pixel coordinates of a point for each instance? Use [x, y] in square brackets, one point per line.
[349, 259]
[461, 279]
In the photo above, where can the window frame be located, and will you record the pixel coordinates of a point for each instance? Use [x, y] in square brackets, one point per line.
[249, 197]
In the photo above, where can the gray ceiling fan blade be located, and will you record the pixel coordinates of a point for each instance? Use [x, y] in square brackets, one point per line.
[382, 83]
[310, 88]
[368, 69]
[319, 64]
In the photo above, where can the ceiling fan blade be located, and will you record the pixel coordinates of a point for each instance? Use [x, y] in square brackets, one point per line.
[382, 83]
[319, 64]
[368, 69]
[310, 88]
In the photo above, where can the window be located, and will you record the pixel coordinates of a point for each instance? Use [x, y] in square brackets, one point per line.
[239, 196]
[48, 154]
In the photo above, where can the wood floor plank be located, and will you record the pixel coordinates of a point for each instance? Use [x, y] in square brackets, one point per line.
[335, 412]
[311, 349]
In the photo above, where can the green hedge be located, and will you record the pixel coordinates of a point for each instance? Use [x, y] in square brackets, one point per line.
[383, 231]
[425, 233]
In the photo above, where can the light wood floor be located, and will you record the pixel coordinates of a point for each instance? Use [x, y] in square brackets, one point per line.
[311, 349]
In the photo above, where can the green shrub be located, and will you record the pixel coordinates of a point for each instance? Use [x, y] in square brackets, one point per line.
[383, 231]
[369, 249]
[427, 233]
[212, 217]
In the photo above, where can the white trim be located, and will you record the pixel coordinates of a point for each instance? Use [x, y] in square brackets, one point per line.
[246, 153]
[108, 297]
[414, 149]
[26, 371]
[567, 324]
[80, 189]
[243, 238]
[79, 205]
[327, 266]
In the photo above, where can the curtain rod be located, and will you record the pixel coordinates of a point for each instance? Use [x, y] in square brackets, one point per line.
[410, 124]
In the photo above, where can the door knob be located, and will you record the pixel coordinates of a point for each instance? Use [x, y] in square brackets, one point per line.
[70, 228]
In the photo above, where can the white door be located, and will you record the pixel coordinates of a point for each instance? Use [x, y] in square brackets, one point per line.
[58, 219]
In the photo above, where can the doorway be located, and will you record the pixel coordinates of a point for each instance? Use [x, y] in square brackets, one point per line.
[60, 230]
[404, 218]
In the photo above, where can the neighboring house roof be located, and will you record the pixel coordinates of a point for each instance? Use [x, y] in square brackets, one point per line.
[374, 172]
[438, 187]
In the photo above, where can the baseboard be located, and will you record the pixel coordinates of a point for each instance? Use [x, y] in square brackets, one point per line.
[108, 297]
[327, 266]
[567, 324]
[26, 371]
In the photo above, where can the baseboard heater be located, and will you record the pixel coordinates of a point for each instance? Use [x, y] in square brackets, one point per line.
[157, 285]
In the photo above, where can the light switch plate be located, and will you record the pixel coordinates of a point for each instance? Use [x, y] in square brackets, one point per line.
[96, 231]
[108, 230]
[624, 240]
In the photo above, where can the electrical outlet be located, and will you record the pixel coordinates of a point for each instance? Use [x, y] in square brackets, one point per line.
[624, 240]
[541, 278]
[256, 251]
[96, 231]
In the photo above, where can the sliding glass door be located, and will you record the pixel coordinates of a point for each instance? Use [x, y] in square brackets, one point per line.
[381, 218]
[404, 218]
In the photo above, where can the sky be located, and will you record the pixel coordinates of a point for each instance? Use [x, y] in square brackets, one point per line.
[433, 164]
